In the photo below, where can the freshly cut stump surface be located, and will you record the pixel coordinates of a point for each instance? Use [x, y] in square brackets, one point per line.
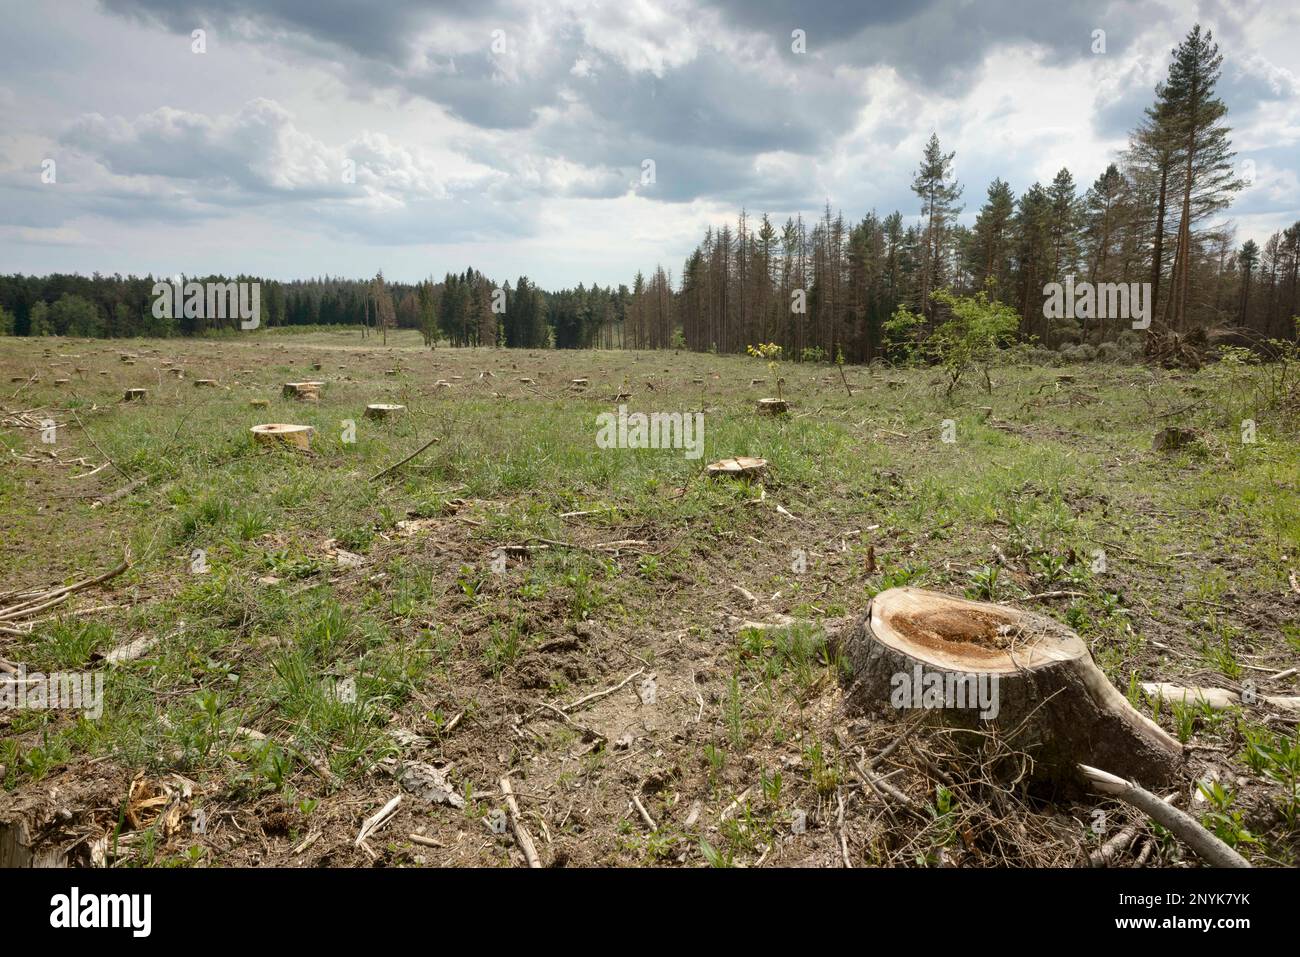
[741, 467]
[282, 433]
[383, 410]
[982, 666]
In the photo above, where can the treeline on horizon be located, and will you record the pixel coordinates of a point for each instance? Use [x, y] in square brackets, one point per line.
[828, 290]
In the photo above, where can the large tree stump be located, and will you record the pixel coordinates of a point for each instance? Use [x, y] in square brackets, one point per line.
[983, 667]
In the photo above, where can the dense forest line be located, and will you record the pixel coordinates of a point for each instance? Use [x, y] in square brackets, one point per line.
[829, 289]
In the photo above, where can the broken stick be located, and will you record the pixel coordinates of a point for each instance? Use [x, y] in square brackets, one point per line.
[1204, 844]
[516, 822]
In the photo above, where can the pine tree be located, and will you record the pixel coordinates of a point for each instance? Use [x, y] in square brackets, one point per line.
[938, 210]
[989, 252]
[1193, 119]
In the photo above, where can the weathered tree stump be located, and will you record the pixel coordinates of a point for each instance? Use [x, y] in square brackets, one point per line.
[384, 410]
[62, 381]
[773, 406]
[984, 666]
[1171, 439]
[177, 373]
[134, 395]
[303, 391]
[205, 383]
[741, 467]
[280, 433]
[258, 403]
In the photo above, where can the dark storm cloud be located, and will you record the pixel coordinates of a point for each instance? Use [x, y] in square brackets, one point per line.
[940, 42]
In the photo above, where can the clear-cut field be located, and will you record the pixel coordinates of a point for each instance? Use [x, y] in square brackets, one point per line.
[341, 629]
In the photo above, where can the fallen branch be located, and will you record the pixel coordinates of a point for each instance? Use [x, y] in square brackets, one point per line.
[1105, 855]
[38, 601]
[1204, 844]
[645, 815]
[378, 819]
[113, 496]
[397, 465]
[522, 836]
[601, 694]
[125, 474]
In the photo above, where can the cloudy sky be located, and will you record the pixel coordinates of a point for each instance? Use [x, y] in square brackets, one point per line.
[328, 136]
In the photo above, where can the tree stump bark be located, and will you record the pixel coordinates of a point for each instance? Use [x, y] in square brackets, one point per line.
[984, 667]
[303, 391]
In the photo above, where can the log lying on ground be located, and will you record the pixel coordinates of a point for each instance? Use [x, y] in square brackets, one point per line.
[984, 666]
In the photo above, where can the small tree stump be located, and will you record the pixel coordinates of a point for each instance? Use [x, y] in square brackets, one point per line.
[1027, 674]
[258, 403]
[384, 410]
[578, 383]
[773, 406]
[316, 366]
[62, 381]
[177, 373]
[280, 433]
[1172, 439]
[742, 467]
[205, 383]
[134, 395]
